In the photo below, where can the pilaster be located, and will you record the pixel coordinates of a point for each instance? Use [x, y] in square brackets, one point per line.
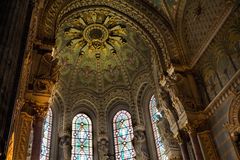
[22, 134]
[191, 130]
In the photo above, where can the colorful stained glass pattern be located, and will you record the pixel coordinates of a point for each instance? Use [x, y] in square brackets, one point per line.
[82, 138]
[155, 117]
[46, 136]
[123, 135]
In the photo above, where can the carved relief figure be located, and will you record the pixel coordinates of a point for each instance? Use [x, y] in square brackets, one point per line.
[138, 142]
[103, 149]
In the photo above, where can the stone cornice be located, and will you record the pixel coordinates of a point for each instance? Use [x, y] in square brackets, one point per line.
[229, 89]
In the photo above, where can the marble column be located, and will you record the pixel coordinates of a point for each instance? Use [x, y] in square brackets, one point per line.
[183, 148]
[37, 138]
[22, 134]
[191, 130]
[195, 144]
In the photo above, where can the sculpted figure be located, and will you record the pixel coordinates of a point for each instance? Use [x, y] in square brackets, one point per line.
[65, 143]
[138, 142]
[103, 149]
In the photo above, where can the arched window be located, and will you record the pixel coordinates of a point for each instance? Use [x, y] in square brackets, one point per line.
[123, 135]
[82, 138]
[155, 118]
[46, 136]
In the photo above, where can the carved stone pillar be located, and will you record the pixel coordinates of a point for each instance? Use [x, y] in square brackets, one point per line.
[139, 141]
[183, 147]
[195, 143]
[65, 142]
[22, 134]
[103, 149]
[171, 87]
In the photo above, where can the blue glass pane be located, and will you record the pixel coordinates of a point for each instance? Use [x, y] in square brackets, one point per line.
[46, 136]
[123, 135]
[82, 138]
[155, 118]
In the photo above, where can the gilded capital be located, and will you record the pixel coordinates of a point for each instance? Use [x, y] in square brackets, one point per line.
[41, 110]
[190, 128]
[179, 138]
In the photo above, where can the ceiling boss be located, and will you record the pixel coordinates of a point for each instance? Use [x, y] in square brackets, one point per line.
[95, 34]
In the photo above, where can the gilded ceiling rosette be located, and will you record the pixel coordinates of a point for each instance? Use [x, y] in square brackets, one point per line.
[98, 49]
[94, 33]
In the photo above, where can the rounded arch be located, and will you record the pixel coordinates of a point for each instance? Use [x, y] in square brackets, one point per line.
[149, 21]
[144, 98]
[84, 106]
[234, 112]
[232, 120]
[115, 105]
[87, 108]
[170, 143]
[141, 96]
[123, 135]
[57, 108]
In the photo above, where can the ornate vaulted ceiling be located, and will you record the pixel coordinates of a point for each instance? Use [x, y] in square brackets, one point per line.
[201, 21]
[149, 22]
[99, 50]
[169, 24]
[168, 7]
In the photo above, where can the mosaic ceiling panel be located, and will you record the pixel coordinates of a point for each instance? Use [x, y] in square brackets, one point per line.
[169, 7]
[99, 50]
[200, 20]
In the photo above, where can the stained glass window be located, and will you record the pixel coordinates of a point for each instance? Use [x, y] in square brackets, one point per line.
[46, 136]
[155, 118]
[123, 136]
[82, 138]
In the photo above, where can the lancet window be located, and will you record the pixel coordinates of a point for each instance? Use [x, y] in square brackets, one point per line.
[123, 136]
[82, 148]
[46, 136]
[155, 118]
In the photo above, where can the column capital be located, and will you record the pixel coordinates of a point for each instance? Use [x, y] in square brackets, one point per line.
[179, 139]
[41, 110]
[190, 128]
[35, 109]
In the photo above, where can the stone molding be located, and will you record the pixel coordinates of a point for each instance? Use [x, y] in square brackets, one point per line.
[230, 89]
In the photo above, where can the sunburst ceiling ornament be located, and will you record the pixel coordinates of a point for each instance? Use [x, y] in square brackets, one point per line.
[96, 34]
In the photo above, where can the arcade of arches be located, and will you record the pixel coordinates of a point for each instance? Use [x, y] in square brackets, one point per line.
[120, 79]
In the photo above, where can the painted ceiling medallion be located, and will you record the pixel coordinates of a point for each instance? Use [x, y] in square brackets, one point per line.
[95, 34]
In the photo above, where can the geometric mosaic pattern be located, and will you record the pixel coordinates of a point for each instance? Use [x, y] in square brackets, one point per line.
[155, 118]
[82, 138]
[123, 136]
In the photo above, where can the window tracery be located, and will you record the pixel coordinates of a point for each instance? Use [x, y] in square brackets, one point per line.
[123, 136]
[155, 118]
[82, 148]
[46, 136]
